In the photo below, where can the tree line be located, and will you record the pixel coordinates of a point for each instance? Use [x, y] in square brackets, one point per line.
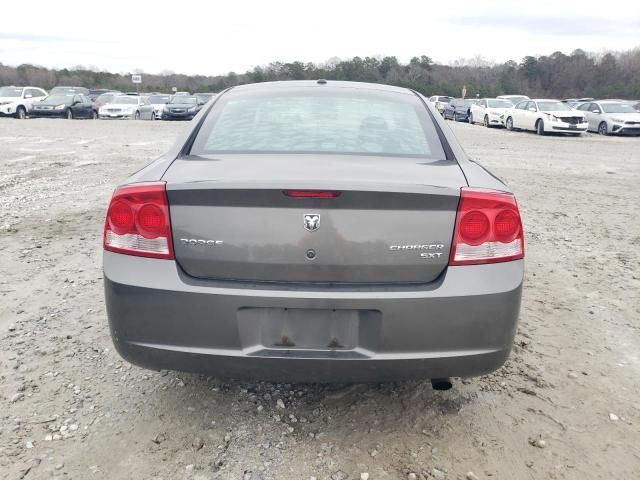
[579, 74]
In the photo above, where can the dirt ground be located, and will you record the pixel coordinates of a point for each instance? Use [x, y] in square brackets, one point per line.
[565, 406]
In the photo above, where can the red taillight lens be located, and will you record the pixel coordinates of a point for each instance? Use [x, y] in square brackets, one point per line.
[138, 223]
[120, 216]
[474, 226]
[151, 220]
[507, 225]
[311, 193]
[488, 228]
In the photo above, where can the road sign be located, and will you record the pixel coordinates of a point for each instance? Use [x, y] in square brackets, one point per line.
[136, 78]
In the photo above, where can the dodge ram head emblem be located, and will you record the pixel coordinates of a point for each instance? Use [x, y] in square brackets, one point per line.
[311, 221]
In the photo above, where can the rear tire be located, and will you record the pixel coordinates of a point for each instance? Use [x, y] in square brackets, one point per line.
[470, 117]
[486, 121]
[153, 116]
[509, 123]
[21, 113]
[136, 116]
[69, 114]
[603, 129]
[454, 117]
[540, 127]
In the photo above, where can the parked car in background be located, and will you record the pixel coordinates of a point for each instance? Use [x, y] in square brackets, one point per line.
[545, 116]
[458, 109]
[94, 93]
[514, 99]
[439, 101]
[204, 98]
[153, 107]
[122, 106]
[17, 101]
[69, 91]
[488, 110]
[307, 232]
[574, 102]
[608, 117]
[105, 98]
[181, 94]
[65, 106]
[181, 107]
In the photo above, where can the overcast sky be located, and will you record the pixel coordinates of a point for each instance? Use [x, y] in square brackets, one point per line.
[214, 38]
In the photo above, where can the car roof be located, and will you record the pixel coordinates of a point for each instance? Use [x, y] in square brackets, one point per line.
[328, 84]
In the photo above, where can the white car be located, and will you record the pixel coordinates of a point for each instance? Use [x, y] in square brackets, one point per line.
[514, 99]
[16, 101]
[123, 106]
[545, 116]
[488, 111]
[153, 107]
[611, 117]
[439, 101]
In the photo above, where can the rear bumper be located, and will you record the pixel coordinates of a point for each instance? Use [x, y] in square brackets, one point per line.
[461, 325]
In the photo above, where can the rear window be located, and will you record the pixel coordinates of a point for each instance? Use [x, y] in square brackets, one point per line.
[319, 120]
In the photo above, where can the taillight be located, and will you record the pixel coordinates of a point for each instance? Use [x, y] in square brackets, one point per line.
[488, 228]
[138, 223]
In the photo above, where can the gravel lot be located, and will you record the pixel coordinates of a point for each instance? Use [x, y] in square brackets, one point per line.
[566, 405]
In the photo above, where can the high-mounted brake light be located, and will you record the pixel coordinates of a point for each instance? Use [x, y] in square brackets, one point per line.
[138, 222]
[311, 193]
[488, 228]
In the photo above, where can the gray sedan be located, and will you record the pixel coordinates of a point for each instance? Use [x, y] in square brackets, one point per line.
[315, 232]
[611, 117]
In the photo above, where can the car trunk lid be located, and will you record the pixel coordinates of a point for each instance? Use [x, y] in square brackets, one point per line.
[391, 219]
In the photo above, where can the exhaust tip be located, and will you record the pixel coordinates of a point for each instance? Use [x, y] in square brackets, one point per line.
[441, 384]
